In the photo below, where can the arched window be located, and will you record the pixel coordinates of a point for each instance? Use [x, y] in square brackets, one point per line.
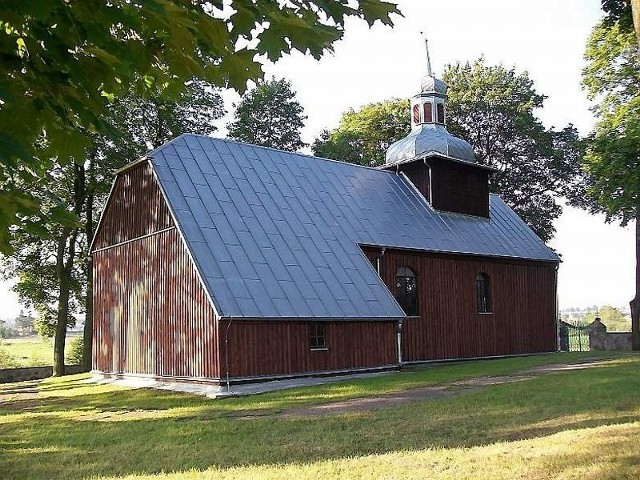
[416, 113]
[483, 293]
[407, 291]
[428, 112]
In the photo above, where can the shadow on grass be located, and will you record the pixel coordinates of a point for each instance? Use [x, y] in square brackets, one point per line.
[197, 436]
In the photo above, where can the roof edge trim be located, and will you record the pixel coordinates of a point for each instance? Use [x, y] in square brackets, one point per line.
[313, 319]
[131, 165]
[434, 154]
[466, 254]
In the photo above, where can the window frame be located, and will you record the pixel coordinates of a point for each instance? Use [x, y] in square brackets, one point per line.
[415, 114]
[403, 295]
[441, 116]
[484, 304]
[318, 337]
[427, 117]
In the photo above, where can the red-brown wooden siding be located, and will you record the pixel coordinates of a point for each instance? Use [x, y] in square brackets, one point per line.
[136, 208]
[450, 186]
[418, 173]
[276, 347]
[151, 313]
[459, 188]
[523, 299]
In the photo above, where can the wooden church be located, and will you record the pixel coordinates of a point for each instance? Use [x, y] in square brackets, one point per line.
[216, 260]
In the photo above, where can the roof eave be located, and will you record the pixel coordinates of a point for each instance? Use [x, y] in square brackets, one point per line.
[434, 154]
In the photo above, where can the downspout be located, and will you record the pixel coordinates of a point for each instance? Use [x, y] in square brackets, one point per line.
[379, 260]
[399, 335]
[226, 351]
[430, 199]
[399, 326]
[555, 289]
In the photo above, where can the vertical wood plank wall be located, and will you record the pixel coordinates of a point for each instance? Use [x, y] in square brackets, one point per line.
[459, 188]
[456, 187]
[523, 305]
[418, 173]
[277, 347]
[151, 313]
[136, 208]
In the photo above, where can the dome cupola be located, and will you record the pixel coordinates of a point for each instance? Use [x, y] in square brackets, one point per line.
[429, 133]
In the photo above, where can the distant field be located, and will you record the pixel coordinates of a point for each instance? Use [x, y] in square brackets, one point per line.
[31, 351]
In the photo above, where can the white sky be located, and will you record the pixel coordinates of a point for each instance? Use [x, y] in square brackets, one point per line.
[544, 37]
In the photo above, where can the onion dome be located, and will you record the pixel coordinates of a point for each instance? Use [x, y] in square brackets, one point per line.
[429, 135]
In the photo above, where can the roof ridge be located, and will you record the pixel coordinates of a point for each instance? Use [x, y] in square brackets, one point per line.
[229, 140]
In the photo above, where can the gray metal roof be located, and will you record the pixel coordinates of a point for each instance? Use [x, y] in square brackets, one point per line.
[276, 234]
[429, 138]
[431, 84]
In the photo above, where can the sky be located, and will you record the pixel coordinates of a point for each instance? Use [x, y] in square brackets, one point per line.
[546, 38]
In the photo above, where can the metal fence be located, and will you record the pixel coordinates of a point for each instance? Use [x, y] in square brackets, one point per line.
[574, 337]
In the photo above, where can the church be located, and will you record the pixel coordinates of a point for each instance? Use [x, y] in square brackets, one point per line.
[217, 261]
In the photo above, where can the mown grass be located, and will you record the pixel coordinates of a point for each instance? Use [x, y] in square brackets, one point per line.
[28, 351]
[32, 351]
[574, 424]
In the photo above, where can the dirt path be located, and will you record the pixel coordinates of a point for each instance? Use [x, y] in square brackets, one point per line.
[422, 393]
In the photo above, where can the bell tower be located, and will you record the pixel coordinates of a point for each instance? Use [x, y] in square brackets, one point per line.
[440, 165]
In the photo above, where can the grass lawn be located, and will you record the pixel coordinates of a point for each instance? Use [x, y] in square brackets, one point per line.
[32, 351]
[29, 351]
[582, 424]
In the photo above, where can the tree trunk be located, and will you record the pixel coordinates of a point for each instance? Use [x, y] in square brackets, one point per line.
[63, 306]
[64, 271]
[635, 12]
[635, 303]
[87, 335]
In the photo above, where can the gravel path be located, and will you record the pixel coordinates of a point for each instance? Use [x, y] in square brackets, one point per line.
[422, 393]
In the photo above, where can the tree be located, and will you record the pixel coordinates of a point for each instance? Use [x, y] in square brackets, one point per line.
[611, 317]
[269, 115]
[25, 324]
[64, 62]
[493, 108]
[624, 13]
[612, 79]
[53, 266]
[363, 136]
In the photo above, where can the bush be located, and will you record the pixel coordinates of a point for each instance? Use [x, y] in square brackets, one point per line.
[7, 360]
[74, 351]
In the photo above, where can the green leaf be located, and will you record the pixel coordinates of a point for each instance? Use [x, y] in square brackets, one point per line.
[374, 10]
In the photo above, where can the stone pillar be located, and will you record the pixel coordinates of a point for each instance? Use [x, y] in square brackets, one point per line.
[597, 334]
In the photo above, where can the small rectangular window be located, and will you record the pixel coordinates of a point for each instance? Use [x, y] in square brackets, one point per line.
[428, 112]
[416, 114]
[440, 112]
[317, 336]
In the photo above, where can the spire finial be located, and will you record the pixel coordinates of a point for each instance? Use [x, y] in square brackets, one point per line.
[426, 46]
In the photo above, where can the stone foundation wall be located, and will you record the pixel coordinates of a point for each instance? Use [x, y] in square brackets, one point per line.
[8, 375]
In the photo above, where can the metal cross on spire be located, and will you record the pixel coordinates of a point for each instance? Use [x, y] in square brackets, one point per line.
[426, 45]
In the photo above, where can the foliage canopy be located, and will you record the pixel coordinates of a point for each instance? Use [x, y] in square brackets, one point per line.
[63, 62]
[269, 115]
[363, 136]
[493, 108]
[612, 79]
